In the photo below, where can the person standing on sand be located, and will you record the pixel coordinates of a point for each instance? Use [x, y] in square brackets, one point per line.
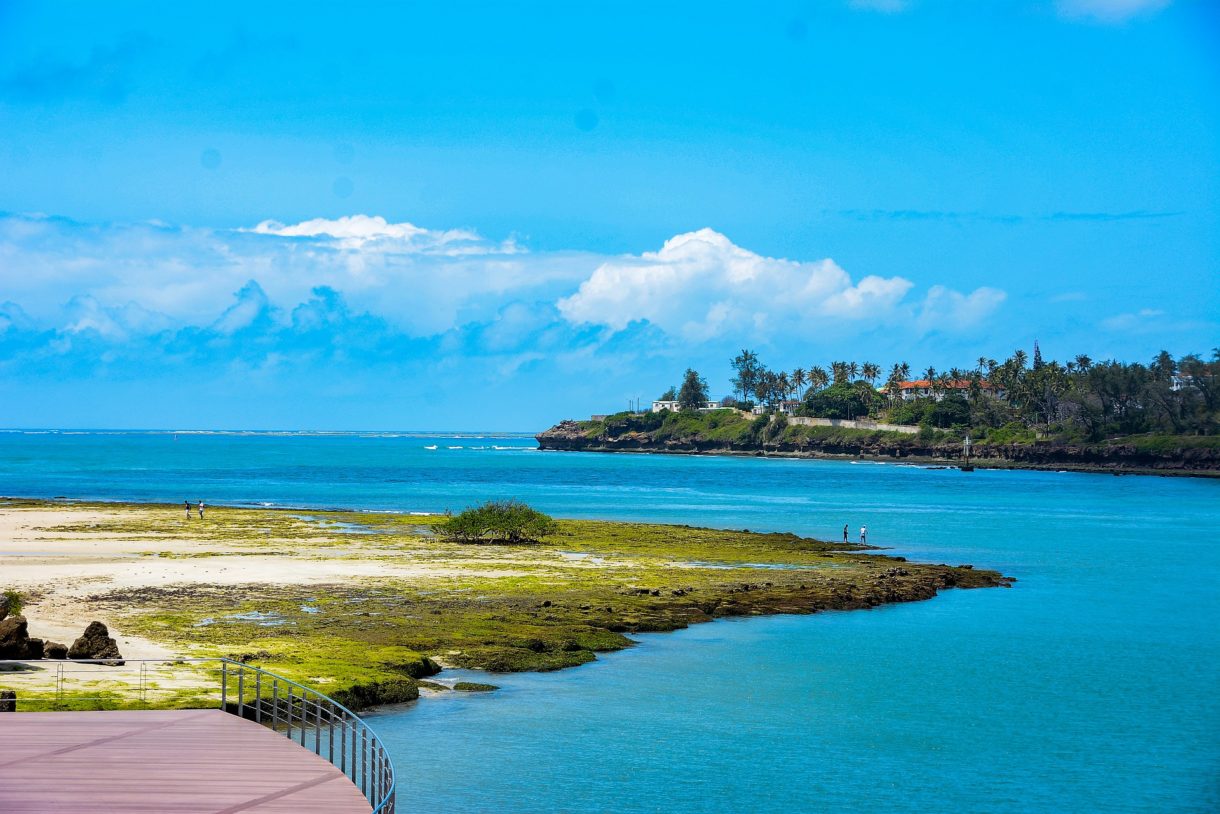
[200, 510]
[863, 534]
[187, 503]
[845, 532]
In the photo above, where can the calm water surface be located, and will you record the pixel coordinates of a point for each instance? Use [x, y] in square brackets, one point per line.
[1090, 686]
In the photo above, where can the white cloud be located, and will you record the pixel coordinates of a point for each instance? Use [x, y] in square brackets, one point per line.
[944, 309]
[125, 280]
[84, 313]
[1108, 11]
[359, 231]
[700, 285]
[421, 281]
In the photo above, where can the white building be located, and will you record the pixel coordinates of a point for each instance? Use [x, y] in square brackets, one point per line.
[922, 389]
[673, 406]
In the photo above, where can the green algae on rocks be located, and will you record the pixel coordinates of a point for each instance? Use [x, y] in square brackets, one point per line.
[405, 602]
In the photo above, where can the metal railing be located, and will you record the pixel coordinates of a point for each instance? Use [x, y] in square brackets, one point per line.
[312, 719]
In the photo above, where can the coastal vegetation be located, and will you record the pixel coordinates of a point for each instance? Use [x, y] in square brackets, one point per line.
[729, 431]
[1078, 400]
[1163, 416]
[365, 605]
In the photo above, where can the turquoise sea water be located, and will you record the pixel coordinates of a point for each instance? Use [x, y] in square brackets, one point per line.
[1092, 685]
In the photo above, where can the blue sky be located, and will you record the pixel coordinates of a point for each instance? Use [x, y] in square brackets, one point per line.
[498, 215]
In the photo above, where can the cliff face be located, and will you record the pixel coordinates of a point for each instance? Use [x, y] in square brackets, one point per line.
[582, 436]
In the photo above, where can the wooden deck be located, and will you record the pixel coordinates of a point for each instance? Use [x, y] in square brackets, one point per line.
[162, 761]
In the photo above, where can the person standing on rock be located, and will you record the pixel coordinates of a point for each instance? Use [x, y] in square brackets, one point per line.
[845, 533]
[201, 510]
[863, 535]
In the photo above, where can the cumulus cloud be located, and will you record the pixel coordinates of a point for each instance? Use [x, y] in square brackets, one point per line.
[700, 286]
[1108, 11]
[84, 313]
[251, 306]
[423, 281]
[364, 291]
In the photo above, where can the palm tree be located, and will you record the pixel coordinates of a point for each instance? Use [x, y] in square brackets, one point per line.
[976, 387]
[1083, 362]
[798, 381]
[818, 378]
[930, 374]
[870, 371]
[853, 370]
[1019, 357]
[892, 384]
[980, 363]
[838, 371]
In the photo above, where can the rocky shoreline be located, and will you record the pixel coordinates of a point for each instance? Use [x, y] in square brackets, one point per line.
[1118, 459]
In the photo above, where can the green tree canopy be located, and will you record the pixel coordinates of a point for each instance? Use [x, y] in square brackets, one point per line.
[841, 400]
[749, 371]
[693, 394]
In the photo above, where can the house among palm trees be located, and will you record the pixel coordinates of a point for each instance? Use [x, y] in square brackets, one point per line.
[938, 388]
[786, 406]
[673, 405]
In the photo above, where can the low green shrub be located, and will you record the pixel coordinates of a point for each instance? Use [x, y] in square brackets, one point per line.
[14, 600]
[509, 521]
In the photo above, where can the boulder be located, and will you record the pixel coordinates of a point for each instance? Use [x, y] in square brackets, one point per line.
[14, 637]
[33, 648]
[95, 643]
[6, 604]
[8, 701]
[54, 650]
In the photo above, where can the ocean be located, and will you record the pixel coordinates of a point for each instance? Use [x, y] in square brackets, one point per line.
[1090, 686]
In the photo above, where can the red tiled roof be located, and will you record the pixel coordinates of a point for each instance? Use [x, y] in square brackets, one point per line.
[958, 384]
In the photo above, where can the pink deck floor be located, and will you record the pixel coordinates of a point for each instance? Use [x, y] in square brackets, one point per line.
[161, 761]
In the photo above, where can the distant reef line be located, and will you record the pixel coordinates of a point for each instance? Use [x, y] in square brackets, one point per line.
[707, 434]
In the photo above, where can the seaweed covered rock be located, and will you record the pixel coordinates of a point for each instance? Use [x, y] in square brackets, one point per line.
[363, 696]
[474, 686]
[420, 667]
[54, 650]
[95, 643]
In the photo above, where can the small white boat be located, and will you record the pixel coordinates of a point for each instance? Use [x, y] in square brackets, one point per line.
[430, 446]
